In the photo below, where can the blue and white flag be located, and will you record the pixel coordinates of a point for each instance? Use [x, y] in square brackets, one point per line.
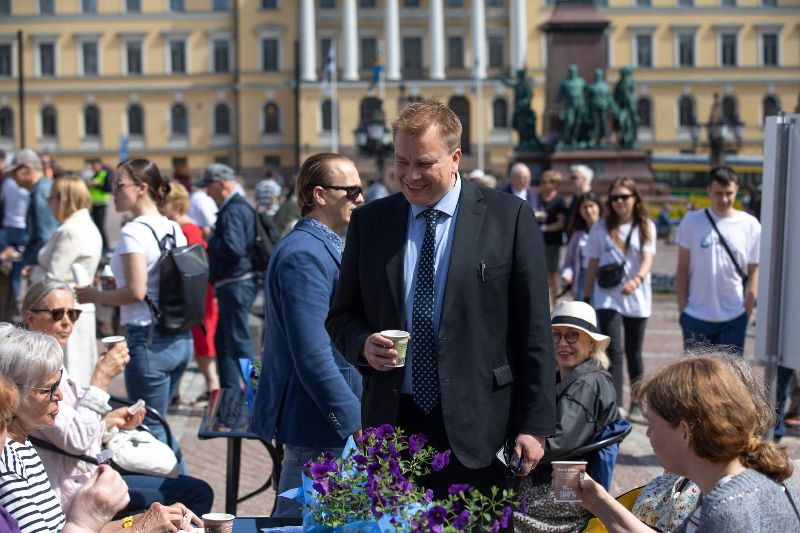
[123, 148]
[377, 71]
[329, 73]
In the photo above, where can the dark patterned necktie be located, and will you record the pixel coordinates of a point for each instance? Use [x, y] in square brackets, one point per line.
[425, 371]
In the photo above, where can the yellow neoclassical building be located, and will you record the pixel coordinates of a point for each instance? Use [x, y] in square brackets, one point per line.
[244, 81]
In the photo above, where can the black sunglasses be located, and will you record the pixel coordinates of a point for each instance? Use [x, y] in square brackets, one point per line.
[352, 192]
[571, 337]
[58, 313]
[52, 388]
[618, 197]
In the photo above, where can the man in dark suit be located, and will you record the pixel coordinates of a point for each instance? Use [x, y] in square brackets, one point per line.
[520, 185]
[461, 268]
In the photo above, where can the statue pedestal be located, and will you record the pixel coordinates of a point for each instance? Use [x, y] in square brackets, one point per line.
[607, 165]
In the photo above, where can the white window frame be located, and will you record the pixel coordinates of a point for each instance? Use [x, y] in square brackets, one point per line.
[211, 7]
[125, 40]
[50, 140]
[168, 7]
[222, 138]
[176, 38]
[124, 8]
[38, 41]
[464, 63]
[504, 55]
[769, 29]
[678, 35]
[220, 36]
[277, 35]
[139, 138]
[8, 39]
[271, 138]
[39, 10]
[96, 10]
[636, 32]
[80, 39]
[729, 30]
[82, 123]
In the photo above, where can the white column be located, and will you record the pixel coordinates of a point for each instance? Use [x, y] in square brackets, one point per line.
[392, 48]
[350, 38]
[436, 15]
[518, 20]
[479, 37]
[308, 41]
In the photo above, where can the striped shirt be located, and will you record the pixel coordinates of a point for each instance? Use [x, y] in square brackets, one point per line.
[25, 491]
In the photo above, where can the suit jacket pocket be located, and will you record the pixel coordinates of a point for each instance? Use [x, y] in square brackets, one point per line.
[503, 270]
[503, 375]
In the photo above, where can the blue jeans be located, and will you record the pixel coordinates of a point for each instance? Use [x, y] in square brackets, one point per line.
[232, 339]
[154, 372]
[294, 457]
[781, 395]
[699, 332]
[16, 237]
[194, 493]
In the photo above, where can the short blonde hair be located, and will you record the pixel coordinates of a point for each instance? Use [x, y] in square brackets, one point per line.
[419, 115]
[70, 194]
[178, 196]
[552, 175]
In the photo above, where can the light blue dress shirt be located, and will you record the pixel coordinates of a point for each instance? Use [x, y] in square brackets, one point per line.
[445, 225]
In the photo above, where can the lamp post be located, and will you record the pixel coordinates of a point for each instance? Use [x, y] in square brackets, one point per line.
[720, 134]
[374, 139]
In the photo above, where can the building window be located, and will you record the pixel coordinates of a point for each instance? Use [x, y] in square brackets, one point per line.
[727, 3]
[455, 3]
[179, 122]
[177, 6]
[89, 7]
[222, 119]
[686, 50]
[728, 52]
[686, 3]
[269, 54]
[644, 108]
[6, 123]
[269, 4]
[455, 52]
[327, 4]
[644, 50]
[500, 112]
[643, 3]
[494, 3]
[90, 61]
[271, 118]
[769, 49]
[5, 7]
[368, 3]
[770, 106]
[410, 3]
[177, 56]
[412, 55]
[730, 115]
[91, 121]
[133, 6]
[369, 51]
[135, 120]
[769, 3]
[5, 60]
[221, 55]
[496, 51]
[49, 121]
[133, 57]
[47, 7]
[327, 115]
[686, 117]
[220, 5]
[47, 59]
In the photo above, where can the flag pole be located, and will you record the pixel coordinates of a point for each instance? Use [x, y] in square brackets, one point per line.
[334, 104]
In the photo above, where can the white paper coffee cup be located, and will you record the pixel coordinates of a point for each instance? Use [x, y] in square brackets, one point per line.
[400, 340]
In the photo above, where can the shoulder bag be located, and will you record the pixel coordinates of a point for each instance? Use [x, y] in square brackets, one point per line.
[612, 274]
[724, 243]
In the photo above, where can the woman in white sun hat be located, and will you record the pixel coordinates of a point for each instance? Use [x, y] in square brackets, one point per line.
[585, 405]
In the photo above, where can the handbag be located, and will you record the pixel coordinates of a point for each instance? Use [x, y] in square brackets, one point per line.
[140, 452]
[611, 275]
[724, 244]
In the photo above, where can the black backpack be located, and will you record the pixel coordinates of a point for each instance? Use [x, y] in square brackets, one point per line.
[182, 287]
[266, 239]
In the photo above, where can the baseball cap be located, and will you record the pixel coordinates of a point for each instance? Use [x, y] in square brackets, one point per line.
[24, 158]
[216, 172]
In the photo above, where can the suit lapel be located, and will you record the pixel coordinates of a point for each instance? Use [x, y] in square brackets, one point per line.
[469, 221]
[395, 231]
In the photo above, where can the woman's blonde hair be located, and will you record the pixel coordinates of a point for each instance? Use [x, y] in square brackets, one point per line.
[599, 356]
[9, 401]
[178, 196]
[717, 406]
[70, 195]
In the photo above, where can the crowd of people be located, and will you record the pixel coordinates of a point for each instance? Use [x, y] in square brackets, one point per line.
[511, 346]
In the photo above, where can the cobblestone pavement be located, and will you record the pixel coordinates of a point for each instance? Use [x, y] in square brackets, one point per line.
[635, 466]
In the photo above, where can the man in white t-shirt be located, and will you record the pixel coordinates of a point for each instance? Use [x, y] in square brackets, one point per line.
[717, 289]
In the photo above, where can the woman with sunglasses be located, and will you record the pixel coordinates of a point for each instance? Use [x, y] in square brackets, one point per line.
[621, 247]
[85, 415]
[76, 241]
[158, 357]
[585, 405]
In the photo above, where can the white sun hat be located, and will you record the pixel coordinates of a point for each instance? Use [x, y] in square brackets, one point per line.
[580, 316]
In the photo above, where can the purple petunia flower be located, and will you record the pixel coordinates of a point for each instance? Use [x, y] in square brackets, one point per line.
[321, 470]
[505, 516]
[440, 460]
[495, 527]
[415, 443]
[461, 521]
[437, 515]
[384, 431]
[458, 488]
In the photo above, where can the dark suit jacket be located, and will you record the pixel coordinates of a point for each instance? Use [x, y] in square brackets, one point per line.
[531, 195]
[495, 348]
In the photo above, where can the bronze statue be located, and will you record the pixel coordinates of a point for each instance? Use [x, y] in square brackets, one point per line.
[600, 107]
[524, 120]
[715, 136]
[571, 96]
[626, 116]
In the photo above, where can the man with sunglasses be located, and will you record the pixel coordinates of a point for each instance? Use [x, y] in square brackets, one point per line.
[308, 396]
[230, 270]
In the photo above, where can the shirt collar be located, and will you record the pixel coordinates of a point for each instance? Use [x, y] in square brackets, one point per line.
[331, 235]
[228, 199]
[446, 205]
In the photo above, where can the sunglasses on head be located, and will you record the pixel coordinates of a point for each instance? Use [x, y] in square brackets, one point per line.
[620, 197]
[52, 388]
[58, 313]
[352, 192]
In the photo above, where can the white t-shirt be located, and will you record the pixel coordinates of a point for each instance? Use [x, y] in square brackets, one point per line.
[601, 246]
[15, 200]
[202, 209]
[716, 292]
[136, 238]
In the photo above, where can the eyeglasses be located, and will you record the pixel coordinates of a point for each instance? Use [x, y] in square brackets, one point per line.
[58, 313]
[52, 388]
[571, 337]
[620, 197]
[352, 192]
[116, 187]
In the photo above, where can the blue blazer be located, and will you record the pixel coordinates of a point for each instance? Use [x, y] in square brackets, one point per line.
[531, 196]
[308, 394]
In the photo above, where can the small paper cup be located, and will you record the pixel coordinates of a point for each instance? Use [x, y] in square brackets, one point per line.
[400, 340]
[218, 522]
[112, 341]
[566, 480]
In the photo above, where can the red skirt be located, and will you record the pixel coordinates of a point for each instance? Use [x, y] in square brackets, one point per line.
[204, 342]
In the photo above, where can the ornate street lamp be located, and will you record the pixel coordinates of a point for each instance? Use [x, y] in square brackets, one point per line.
[374, 139]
